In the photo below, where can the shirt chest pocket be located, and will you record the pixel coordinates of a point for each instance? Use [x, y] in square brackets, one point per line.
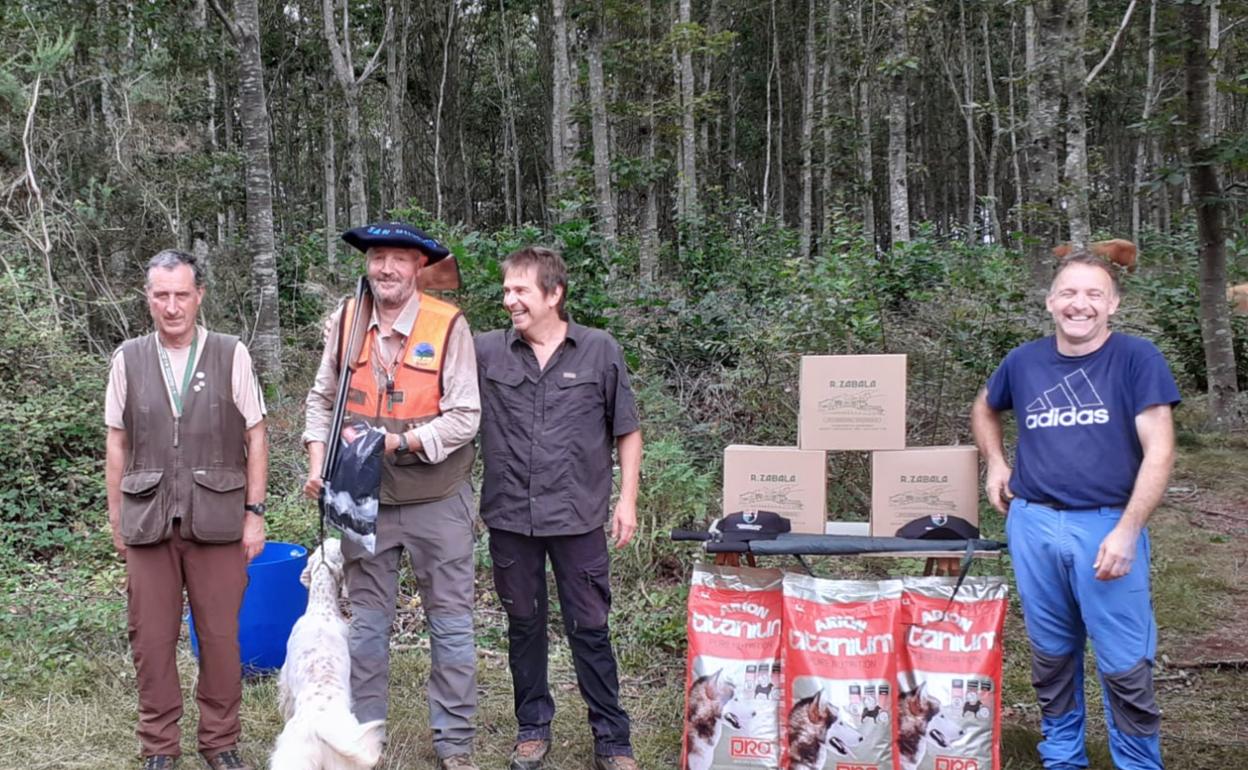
[504, 395]
[576, 397]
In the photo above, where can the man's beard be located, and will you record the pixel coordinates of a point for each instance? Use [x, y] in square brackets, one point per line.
[392, 298]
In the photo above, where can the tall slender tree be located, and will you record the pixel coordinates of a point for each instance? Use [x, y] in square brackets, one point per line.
[341, 60]
[1201, 147]
[266, 342]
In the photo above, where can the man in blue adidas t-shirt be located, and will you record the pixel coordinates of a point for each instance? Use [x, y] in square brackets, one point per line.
[1095, 450]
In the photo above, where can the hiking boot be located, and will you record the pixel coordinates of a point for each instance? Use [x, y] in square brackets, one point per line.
[614, 763]
[160, 762]
[227, 759]
[457, 762]
[528, 755]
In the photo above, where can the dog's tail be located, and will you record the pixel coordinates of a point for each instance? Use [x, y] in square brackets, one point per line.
[359, 744]
[333, 740]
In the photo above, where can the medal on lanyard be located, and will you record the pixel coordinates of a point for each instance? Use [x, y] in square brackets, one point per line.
[176, 393]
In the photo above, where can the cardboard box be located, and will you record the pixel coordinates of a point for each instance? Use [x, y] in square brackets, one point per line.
[933, 485]
[790, 481]
[853, 402]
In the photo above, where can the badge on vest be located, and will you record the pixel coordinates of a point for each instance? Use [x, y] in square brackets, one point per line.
[423, 354]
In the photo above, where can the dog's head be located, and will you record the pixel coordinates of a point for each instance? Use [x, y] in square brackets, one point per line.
[327, 556]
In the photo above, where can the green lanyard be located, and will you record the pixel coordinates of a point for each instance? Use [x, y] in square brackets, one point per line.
[174, 391]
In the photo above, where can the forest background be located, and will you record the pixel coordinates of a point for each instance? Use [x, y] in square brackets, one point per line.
[734, 183]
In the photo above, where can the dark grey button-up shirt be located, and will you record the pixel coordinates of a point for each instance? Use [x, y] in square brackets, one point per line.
[547, 434]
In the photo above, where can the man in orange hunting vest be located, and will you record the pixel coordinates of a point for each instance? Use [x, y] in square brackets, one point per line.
[415, 376]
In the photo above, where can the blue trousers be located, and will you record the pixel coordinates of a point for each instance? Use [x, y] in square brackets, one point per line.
[1064, 605]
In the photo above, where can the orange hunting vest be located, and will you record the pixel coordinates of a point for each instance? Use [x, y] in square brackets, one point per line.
[415, 389]
[405, 397]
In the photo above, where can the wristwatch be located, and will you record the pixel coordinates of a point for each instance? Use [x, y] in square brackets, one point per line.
[402, 448]
[257, 508]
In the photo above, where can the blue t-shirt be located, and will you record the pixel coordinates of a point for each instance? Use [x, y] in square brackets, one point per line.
[1077, 443]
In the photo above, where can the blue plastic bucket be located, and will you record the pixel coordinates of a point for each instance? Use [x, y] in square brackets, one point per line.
[274, 600]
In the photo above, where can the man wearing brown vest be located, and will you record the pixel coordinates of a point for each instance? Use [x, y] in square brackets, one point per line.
[186, 471]
[415, 377]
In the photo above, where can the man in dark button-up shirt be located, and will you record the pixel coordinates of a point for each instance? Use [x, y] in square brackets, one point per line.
[555, 401]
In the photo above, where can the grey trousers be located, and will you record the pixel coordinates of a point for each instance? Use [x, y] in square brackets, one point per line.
[438, 538]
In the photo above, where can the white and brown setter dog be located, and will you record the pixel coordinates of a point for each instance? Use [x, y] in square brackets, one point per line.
[314, 687]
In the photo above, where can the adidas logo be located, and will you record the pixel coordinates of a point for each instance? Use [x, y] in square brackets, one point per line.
[1072, 401]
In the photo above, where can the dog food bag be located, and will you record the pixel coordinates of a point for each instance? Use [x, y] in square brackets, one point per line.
[735, 620]
[840, 654]
[949, 704]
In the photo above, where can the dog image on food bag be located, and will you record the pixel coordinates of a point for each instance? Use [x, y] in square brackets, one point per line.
[712, 703]
[921, 721]
[840, 645]
[734, 633]
[949, 673]
[815, 727]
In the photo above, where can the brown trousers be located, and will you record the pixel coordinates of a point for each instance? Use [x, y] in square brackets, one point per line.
[215, 577]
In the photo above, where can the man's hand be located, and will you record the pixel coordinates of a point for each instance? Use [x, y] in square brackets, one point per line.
[316, 458]
[624, 522]
[312, 486]
[392, 443]
[997, 486]
[253, 535]
[118, 543]
[1117, 552]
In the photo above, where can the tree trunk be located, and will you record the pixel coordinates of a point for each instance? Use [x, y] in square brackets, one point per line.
[831, 80]
[1075, 71]
[1146, 134]
[396, 93]
[898, 101]
[560, 109]
[688, 131]
[806, 210]
[866, 154]
[968, 118]
[991, 204]
[266, 341]
[771, 72]
[344, 72]
[451, 14]
[601, 134]
[1215, 326]
[357, 195]
[329, 170]
[1015, 165]
[1044, 30]
[648, 250]
[780, 165]
[708, 61]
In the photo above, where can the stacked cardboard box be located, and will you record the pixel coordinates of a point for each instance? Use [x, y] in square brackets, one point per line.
[790, 481]
[857, 403]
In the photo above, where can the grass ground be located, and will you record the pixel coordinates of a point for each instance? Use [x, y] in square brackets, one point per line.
[67, 686]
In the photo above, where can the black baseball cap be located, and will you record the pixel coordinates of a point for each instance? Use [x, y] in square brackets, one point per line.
[397, 234]
[751, 525]
[939, 528]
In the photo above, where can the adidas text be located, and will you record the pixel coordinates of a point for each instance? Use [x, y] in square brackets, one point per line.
[1067, 417]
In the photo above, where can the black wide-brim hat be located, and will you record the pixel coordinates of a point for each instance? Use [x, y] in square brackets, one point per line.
[396, 234]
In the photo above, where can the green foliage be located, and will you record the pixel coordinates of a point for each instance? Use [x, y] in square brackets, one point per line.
[60, 618]
[1171, 297]
[51, 486]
